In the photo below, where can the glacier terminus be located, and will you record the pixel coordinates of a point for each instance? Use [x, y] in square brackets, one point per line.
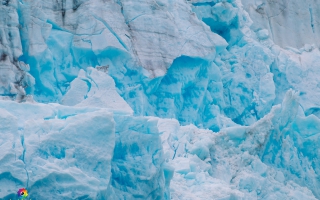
[160, 99]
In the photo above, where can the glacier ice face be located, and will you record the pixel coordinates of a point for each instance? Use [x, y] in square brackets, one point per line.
[69, 43]
[79, 152]
[179, 33]
[280, 19]
[213, 71]
[137, 164]
[66, 36]
[300, 71]
[95, 88]
[14, 77]
[245, 162]
[55, 153]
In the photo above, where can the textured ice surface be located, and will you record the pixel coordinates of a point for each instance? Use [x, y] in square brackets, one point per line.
[179, 33]
[95, 88]
[245, 162]
[292, 24]
[59, 39]
[64, 152]
[137, 171]
[55, 152]
[159, 99]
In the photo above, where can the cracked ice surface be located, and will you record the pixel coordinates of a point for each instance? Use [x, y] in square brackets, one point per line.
[65, 36]
[50, 147]
[65, 152]
[179, 33]
[245, 162]
[290, 24]
[219, 70]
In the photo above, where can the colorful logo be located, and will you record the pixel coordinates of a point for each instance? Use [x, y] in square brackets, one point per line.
[22, 193]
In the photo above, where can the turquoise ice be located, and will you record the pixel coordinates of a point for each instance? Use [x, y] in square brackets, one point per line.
[159, 99]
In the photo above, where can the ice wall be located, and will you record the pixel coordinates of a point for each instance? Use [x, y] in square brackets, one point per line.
[56, 152]
[290, 23]
[14, 76]
[221, 66]
[246, 162]
[179, 32]
[57, 39]
[137, 164]
[65, 36]
[61, 152]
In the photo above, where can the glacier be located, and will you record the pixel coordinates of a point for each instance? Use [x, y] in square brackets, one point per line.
[159, 99]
